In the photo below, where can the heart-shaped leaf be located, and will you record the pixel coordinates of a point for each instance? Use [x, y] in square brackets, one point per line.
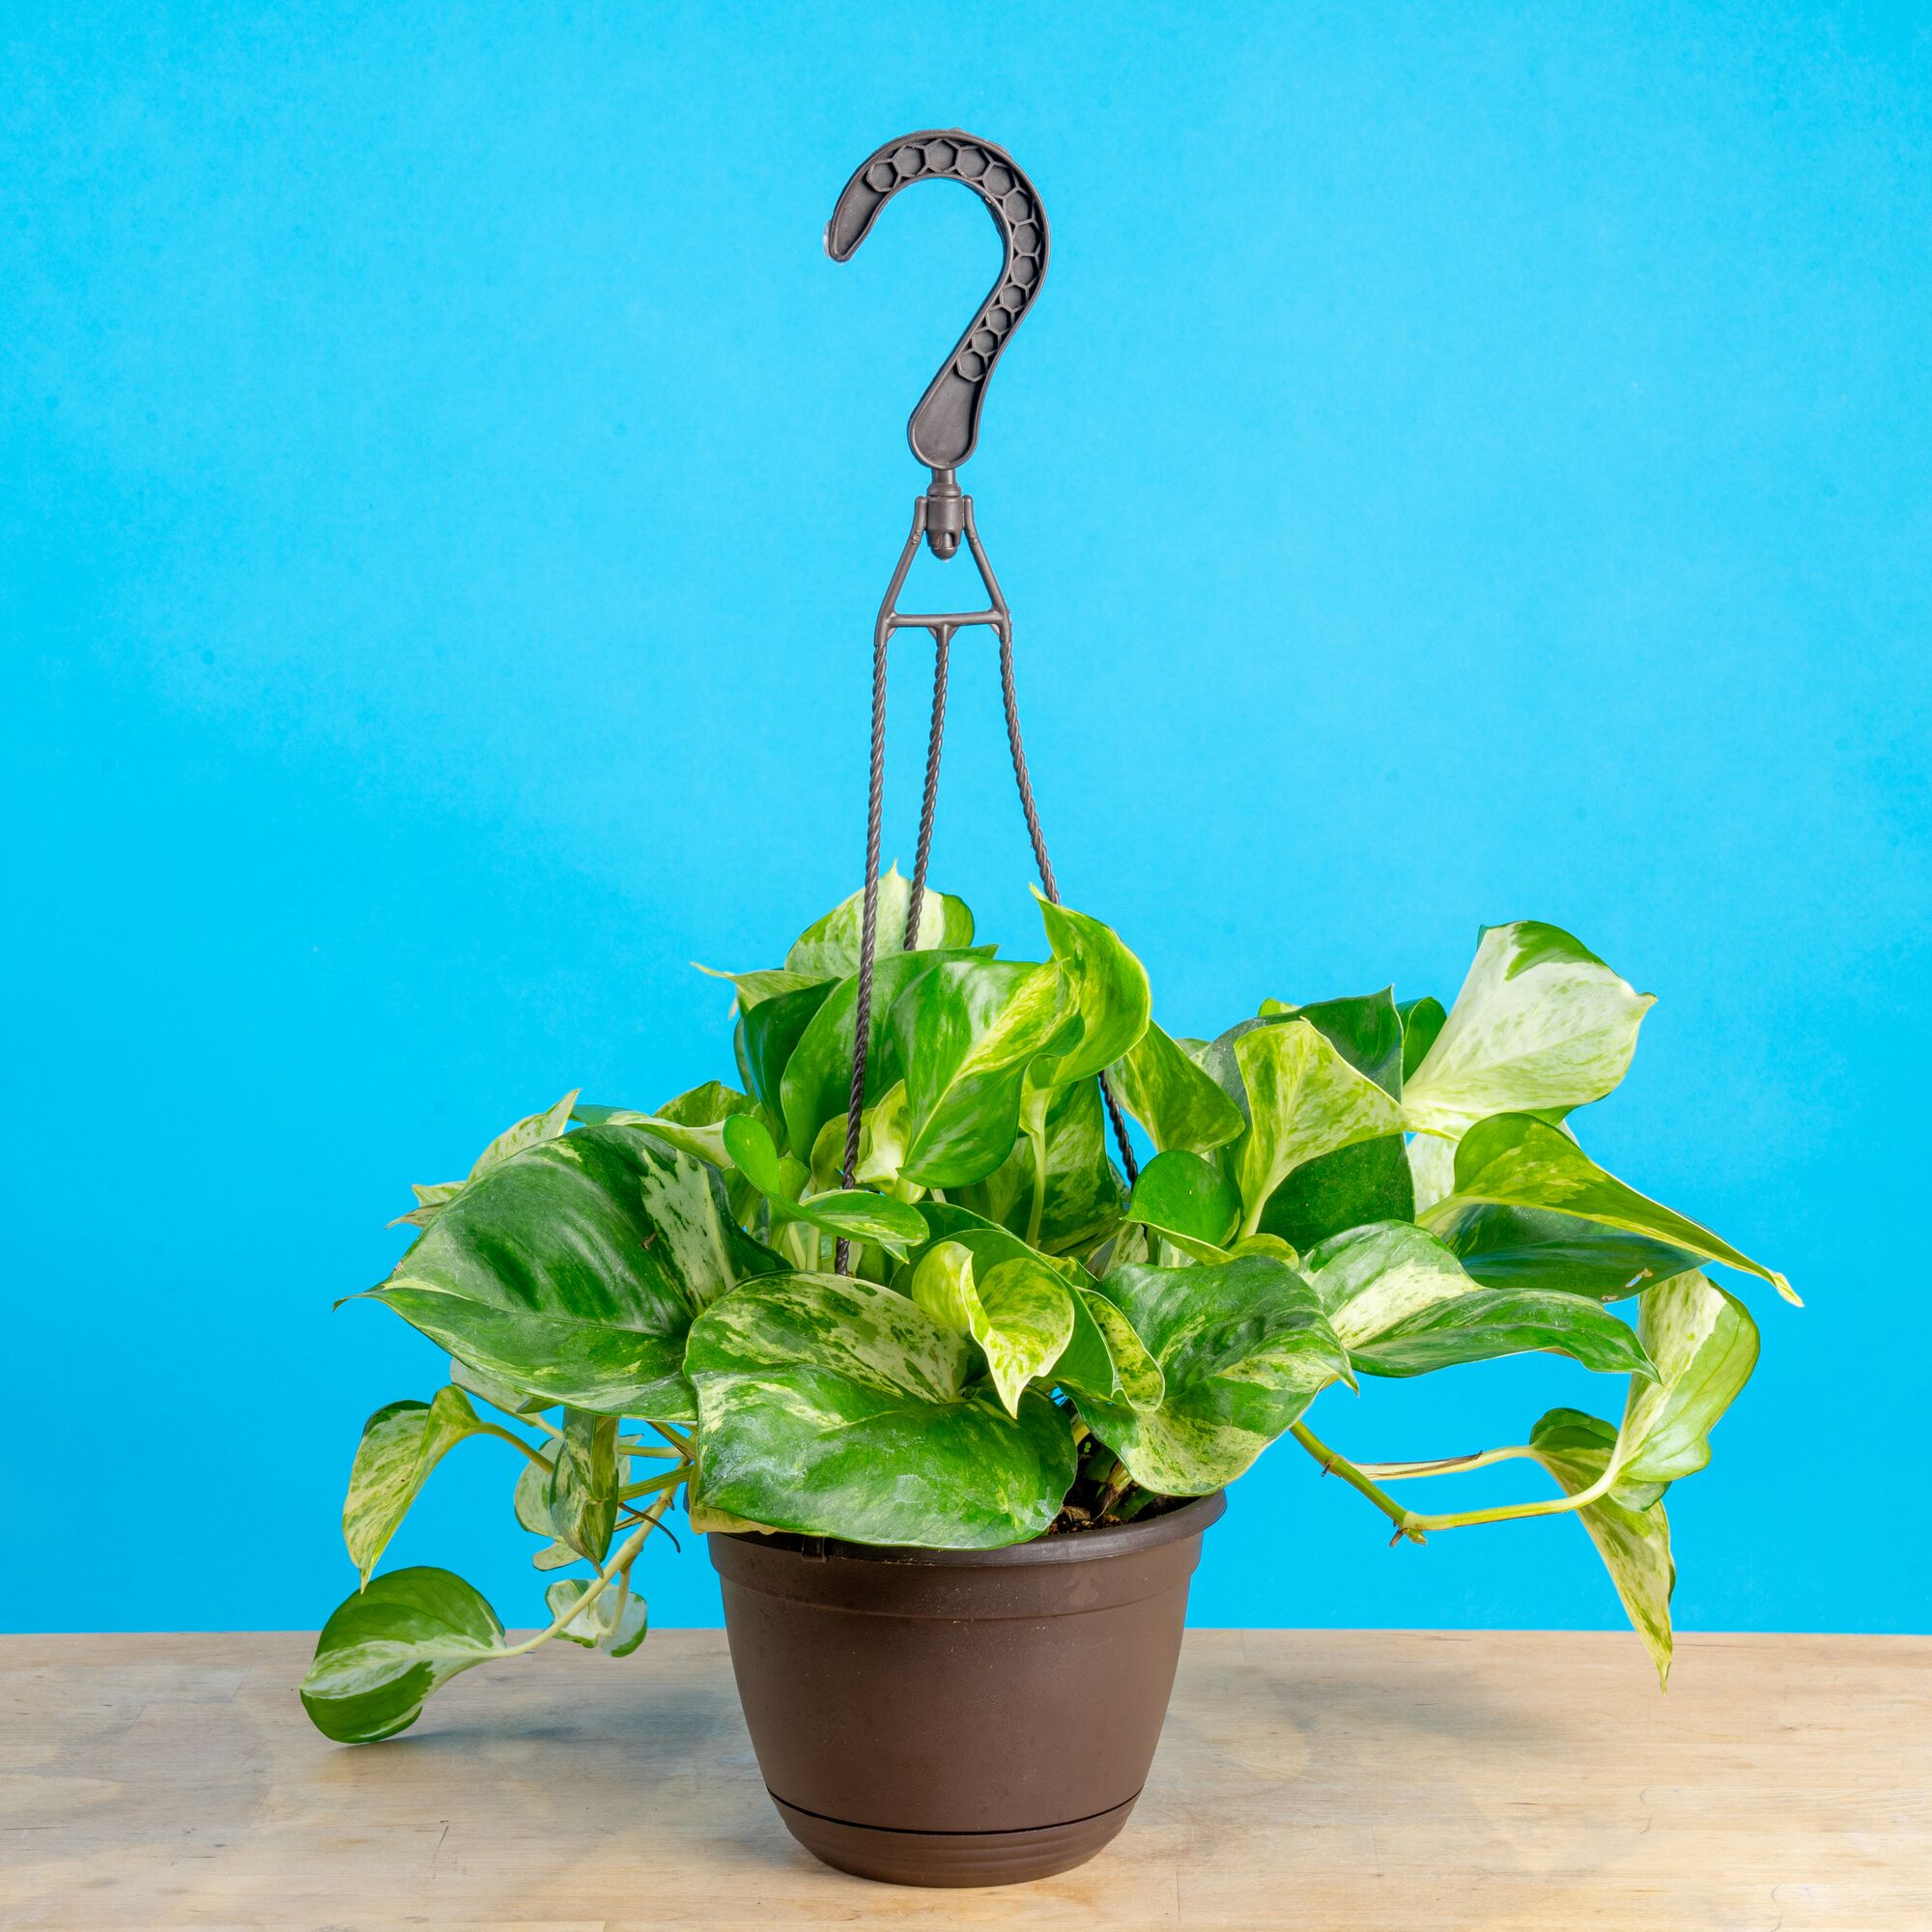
[1403, 1305]
[1019, 1313]
[829, 948]
[1242, 1350]
[1531, 1247]
[1516, 1160]
[1634, 1544]
[401, 1444]
[1305, 1099]
[1173, 1096]
[1188, 1201]
[572, 1270]
[967, 1033]
[835, 1407]
[1104, 986]
[1541, 1022]
[614, 1622]
[848, 1212]
[387, 1647]
[528, 1132]
[691, 1122]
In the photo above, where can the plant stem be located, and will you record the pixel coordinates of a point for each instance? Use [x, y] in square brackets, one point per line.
[1416, 1527]
[669, 1480]
[676, 1437]
[516, 1442]
[1337, 1465]
[626, 1555]
[1444, 1465]
[1037, 1134]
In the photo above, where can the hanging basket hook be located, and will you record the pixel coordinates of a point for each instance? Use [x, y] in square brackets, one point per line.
[944, 427]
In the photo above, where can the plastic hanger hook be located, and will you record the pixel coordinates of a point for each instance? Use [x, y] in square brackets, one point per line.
[944, 427]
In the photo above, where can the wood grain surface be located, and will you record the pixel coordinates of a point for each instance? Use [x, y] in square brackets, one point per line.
[1334, 1780]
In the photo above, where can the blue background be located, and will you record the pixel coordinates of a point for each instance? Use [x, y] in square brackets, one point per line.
[1469, 463]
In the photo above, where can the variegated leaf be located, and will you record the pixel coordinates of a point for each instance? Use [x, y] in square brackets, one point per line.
[400, 1445]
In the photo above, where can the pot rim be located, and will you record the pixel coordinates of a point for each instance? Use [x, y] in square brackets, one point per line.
[1116, 1539]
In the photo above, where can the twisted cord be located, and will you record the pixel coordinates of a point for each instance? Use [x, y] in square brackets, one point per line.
[943, 641]
[1011, 699]
[862, 1013]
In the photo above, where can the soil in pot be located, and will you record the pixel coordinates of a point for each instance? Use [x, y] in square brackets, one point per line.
[959, 1717]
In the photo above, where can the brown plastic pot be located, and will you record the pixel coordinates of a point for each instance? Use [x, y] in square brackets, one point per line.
[958, 1717]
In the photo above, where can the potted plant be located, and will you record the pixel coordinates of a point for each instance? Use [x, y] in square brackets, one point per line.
[955, 1494]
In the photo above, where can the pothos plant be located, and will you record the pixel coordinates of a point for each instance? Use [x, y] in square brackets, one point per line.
[643, 1305]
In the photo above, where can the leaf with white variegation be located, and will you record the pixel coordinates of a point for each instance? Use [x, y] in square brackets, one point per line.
[1516, 1160]
[1019, 1312]
[1242, 1349]
[1103, 984]
[1176, 1100]
[829, 948]
[1541, 1022]
[401, 1444]
[693, 1122]
[616, 1621]
[967, 1032]
[1532, 1248]
[572, 1270]
[1634, 1544]
[1304, 1101]
[389, 1646]
[1403, 1305]
[531, 1131]
[835, 1407]
[848, 1212]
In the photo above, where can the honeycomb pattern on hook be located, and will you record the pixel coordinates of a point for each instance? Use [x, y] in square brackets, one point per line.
[997, 181]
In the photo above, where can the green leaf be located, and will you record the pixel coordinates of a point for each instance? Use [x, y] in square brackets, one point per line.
[1304, 1101]
[1019, 1313]
[1634, 1544]
[574, 1270]
[693, 1122]
[756, 988]
[816, 1086]
[858, 1216]
[1368, 1181]
[829, 948]
[387, 1647]
[1366, 1031]
[1105, 1362]
[1173, 1097]
[531, 1131]
[1188, 1201]
[967, 1033]
[570, 1496]
[1421, 1021]
[604, 1625]
[1517, 1161]
[1105, 986]
[400, 1445]
[1531, 1247]
[773, 1030]
[1403, 1305]
[1541, 1022]
[1083, 1190]
[835, 1407]
[1242, 1350]
[1704, 1344]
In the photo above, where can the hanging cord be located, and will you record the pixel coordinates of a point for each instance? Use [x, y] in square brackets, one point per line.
[862, 1005]
[915, 905]
[862, 1016]
[1009, 698]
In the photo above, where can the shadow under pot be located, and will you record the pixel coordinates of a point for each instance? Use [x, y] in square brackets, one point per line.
[959, 1717]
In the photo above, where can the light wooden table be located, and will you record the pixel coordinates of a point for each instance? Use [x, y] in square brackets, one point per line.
[1337, 1782]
